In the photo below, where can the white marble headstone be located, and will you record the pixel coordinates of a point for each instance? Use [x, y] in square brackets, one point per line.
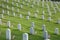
[0, 21]
[58, 21]
[32, 24]
[8, 34]
[32, 30]
[27, 17]
[12, 3]
[42, 17]
[35, 15]
[37, 11]
[57, 31]
[17, 4]
[43, 13]
[25, 36]
[21, 6]
[18, 0]
[8, 24]
[54, 11]
[3, 11]
[14, 14]
[21, 16]
[19, 27]
[12, 8]
[29, 13]
[43, 27]
[28, 1]
[45, 35]
[7, 7]
[7, 12]
[1, 15]
[23, 2]
[32, 6]
[49, 19]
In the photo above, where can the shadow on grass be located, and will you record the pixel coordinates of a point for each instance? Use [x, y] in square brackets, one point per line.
[35, 37]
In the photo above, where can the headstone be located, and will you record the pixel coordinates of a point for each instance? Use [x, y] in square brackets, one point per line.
[19, 27]
[23, 2]
[12, 8]
[2, 5]
[15, 0]
[49, 19]
[45, 35]
[32, 31]
[3, 11]
[8, 24]
[14, 14]
[43, 27]
[32, 6]
[18, 10]
[8, 34]
[43, 13]
[0, 21]
[51, 4]
[7, 12]
[46, 39]
[57, 31]
[38, 3]
[18, 0]
[34, 2]
[7, 1]
[54, 11]
[21, 6]
[29, 13]
[28, 1]
[58, 21]
[27, 4]
[37, 11]
[49, 14]
[42, 4]
[35, 15]
[25, 36]
[21, 16]
[42, 17]
[12, 3]
[27, 17]
[4, 0]
[17, 4]
[1, 16]
[32, 24]
[7, 7]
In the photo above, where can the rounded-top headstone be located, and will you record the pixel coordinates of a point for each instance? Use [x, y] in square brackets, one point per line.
[45, 35]
[58, 21]
[27, 17]
[32, 30]
[57, 31]
[44, 27]
[25, 36]
[21, 16]
[35, 15]
[28, 13]
[8, 24]
[42, 17]
[0, 21]
[49, 19]
[14, 14]
[32, 24]
[19, 27]
[8, 34]
[1, 16]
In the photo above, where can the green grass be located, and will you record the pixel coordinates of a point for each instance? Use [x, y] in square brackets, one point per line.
[26, 24]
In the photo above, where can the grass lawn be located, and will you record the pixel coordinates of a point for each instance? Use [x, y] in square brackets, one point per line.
[26, 24]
